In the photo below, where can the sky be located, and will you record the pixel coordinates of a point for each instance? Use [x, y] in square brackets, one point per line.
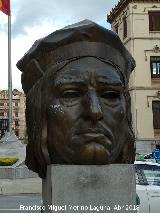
[31, 21]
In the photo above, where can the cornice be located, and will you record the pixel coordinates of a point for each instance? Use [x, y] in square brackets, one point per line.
[122, 4]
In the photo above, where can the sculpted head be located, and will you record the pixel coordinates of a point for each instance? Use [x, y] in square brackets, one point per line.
[78, 104]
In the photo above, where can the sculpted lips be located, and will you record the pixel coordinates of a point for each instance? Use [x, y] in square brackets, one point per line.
[94, 145]
[93, 134]
[94, 153]
[99, 135]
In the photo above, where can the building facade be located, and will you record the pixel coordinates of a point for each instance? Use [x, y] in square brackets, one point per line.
[137, 22]
[18, 113]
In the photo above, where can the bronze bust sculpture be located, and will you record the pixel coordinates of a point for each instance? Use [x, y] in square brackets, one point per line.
[77, 99]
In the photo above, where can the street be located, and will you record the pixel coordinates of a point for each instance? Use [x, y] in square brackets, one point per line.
[12, 203]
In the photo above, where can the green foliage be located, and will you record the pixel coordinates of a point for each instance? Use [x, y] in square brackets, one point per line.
[8, 161]
[140, 158]
[137, 199]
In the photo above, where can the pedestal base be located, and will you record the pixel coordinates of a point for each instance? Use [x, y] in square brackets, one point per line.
[76, 188]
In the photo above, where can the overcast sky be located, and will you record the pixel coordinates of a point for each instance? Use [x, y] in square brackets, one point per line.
[33, 19]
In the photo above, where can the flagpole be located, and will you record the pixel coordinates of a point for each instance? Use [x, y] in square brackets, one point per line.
[9, 74]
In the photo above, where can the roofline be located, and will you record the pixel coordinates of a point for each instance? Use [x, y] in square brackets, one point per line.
[121, 5]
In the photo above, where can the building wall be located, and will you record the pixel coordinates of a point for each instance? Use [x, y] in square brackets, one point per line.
[18, 111]
[141, 43]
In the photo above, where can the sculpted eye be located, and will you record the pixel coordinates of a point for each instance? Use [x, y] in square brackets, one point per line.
[110, 95]
[70, 94]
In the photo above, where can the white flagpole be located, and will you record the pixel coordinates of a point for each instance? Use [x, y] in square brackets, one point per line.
[9, 74]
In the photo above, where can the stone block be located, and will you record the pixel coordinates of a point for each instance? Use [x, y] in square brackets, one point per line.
[89, 188]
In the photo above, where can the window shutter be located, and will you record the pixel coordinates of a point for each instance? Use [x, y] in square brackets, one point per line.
[154, 21]
[124, 27]
[156, 114]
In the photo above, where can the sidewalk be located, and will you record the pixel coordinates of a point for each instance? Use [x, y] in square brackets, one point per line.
[20, 186]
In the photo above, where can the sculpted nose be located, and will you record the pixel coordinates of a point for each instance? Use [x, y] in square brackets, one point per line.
[93, 108]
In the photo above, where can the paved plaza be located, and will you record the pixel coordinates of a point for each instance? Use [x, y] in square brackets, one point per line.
[11, 203]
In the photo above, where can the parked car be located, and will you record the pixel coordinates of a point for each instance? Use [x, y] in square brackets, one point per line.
[148, 156]
[148, 186]
[155, 155]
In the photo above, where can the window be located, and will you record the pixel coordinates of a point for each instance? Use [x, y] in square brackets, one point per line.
[124, 27]
[4, 124]
[17, 133]
[154, 21]
[16, 114]
[16, 103]
[16, 123]
[1, 113]
[155, 66]
[156, 114]
[1, 104]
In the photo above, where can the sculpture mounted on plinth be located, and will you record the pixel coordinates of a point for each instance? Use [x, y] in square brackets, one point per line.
[77, 98]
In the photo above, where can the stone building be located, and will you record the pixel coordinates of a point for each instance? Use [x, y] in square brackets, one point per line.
[137, 22]
[18, 113]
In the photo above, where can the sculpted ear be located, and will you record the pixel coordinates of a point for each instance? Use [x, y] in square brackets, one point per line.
[31, 75]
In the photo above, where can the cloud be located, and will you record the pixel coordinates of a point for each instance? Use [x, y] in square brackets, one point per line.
[4, 64]
[32, 20]
[58, 13]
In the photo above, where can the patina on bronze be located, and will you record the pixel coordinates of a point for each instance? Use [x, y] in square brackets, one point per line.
[78, 104]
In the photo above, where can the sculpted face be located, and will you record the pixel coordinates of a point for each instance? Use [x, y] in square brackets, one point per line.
[86, 114]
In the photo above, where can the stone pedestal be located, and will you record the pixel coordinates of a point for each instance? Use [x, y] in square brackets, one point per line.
[76, 188]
